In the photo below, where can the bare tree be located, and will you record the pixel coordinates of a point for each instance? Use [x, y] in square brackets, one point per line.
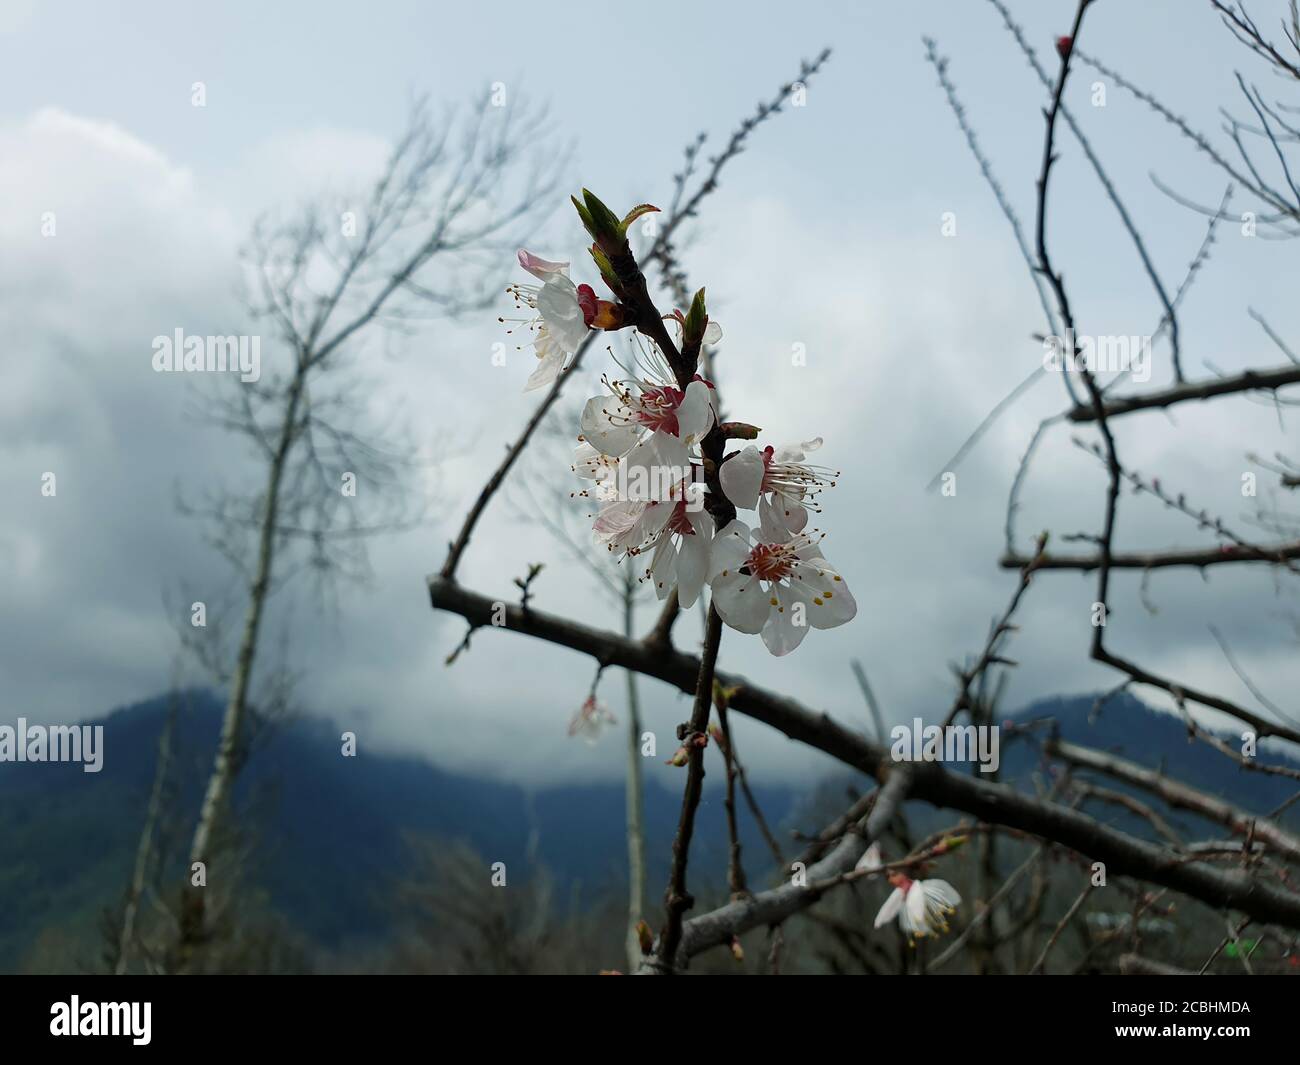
[423, 241]
[1249, 876]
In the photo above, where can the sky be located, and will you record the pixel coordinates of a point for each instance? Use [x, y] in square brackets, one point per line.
[827, 233]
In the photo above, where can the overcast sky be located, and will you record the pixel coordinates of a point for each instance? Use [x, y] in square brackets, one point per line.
[826, 233]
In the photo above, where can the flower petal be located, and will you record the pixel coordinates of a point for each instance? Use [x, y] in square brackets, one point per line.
[548, 367]
[891, 907]
[830, 603]
[786, 627]
[693, 560]
[742, 477]
[605, 425]
[557, 303]
[731, 546]
[542, 269]
[741, 601]
[656, 467]
[694, 413]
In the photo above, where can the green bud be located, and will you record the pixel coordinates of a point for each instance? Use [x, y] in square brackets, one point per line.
[696, 319]
[605, 226]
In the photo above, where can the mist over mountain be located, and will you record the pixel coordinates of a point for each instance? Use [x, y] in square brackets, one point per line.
[328, 834]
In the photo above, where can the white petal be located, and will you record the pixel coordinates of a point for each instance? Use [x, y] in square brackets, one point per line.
[741, 601]
[891, 907]
[731, 547]
[548, 367]
[692, 564]
[830, 603]
[712, 332]
[695, 412]
[663, 567]
[591, 465]
[656, 466]
[742, 477]
[942, 893]
[605, 425]
[786, 627]
[914, 918]
[795, 452]
[557, 303]
[772, 521]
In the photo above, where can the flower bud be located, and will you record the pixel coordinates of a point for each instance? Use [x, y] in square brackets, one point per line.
[645, 938]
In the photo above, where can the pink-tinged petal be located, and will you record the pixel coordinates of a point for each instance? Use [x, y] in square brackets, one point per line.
[542, 269]
[741, 601]
[731, 546]
[615, 521]
[891, 907]
[557, 303]
[742, 477]
[695, 412]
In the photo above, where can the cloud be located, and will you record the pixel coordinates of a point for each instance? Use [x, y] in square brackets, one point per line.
[909, 338]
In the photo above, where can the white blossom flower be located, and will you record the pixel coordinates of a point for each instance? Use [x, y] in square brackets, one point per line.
[648, 401]
[779, 483]
[677, 534]
[921, 906]
[591, 719]
[565, 312]
[779, 587]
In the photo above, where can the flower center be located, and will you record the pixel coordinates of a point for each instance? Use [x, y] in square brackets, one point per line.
[771, 562]
[657, 408]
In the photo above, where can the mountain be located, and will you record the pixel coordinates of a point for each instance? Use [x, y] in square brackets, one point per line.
[329, 834]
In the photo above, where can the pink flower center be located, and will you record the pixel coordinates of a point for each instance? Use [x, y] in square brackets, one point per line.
[657, 409]
[770, 562]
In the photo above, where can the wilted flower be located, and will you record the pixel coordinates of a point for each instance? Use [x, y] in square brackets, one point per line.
[921, 906]
[591, 719]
